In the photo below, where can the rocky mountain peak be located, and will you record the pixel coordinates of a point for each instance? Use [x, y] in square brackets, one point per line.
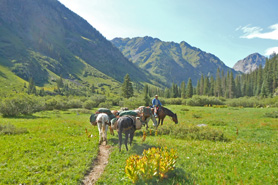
[250, 63]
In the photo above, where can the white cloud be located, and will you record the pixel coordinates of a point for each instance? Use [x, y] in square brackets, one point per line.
[256, 32]
[270, 51]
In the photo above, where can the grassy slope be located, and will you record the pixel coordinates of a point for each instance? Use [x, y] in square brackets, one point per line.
[56, 149]
[9, 81]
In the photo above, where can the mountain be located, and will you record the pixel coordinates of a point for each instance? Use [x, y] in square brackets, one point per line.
[250, 63]
[43, 39]
[170, 61]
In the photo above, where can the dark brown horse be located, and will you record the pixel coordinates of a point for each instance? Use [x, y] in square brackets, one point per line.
[163, 112]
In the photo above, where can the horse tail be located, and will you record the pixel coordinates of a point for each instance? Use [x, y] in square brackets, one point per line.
[103, 124]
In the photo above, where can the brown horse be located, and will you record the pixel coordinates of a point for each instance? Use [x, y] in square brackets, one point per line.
[163, 112]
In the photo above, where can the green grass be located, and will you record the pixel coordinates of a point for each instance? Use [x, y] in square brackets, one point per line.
[56, 150]
[248, 158]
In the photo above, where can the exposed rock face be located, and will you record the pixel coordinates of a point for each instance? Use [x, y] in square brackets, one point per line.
[250, 63]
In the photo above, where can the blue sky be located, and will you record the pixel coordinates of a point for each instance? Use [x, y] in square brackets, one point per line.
[231, 30]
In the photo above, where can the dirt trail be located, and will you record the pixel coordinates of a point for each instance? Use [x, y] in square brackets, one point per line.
[98, 165]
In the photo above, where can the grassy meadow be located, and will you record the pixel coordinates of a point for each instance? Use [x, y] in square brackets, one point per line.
[238, 146]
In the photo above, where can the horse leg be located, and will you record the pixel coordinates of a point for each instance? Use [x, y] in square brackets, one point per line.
[99, 132]
[131, 137]
[106, 128]
[126, 138]
[162, 121]
[158, 122]
[120, 139]
[154, 121]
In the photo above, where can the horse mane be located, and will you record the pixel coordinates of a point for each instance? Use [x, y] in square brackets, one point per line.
[170, 113]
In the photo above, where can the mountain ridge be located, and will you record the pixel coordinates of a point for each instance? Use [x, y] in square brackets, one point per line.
[250, 63]
[38, 36]
[156, 56]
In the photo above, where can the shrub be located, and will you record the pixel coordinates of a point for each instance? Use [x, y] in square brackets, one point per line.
[81, 111]
[131, 103]
[106, 104]
[58, 102]
[74, 103]
[98, 99]
[196, 116]
[192, 132]
[89, 104]
[155, 162]
[174, 101]
[11, 130]
[273, 114]
[20, 105]
[203, 100]
[245, 102]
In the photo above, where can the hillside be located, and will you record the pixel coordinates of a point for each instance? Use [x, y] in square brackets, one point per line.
[43, 39]
[171, 62]
[250, 63]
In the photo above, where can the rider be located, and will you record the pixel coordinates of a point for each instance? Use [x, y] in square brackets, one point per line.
[156, 103]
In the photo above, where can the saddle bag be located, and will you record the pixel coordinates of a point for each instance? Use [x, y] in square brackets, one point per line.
[138, 123]
[106, 111]
[114, 123]
[147, 112]
[128, 113]
[93, 118]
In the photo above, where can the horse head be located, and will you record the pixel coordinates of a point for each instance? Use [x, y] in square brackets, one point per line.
[175, 118]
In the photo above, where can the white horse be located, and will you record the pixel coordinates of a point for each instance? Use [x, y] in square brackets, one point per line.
[147, 119]
[102, 123]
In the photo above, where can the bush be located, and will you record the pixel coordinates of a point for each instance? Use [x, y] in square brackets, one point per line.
[192, 132]
[273, 114]
[74, 103]
[89, 104]
[11, 130]
[245, 102]
[132, 103]
[203, 100]
[58, 102]
[155, 162]
[174, 101]
[106, 104]
[20, 105]
[81, 111]
[98, 99]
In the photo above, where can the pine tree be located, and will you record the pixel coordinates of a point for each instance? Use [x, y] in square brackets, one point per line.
[231, 86]
[198, 88]
[189, 89]
[237, 87]
[127, 89]
[183, 95]
[218, 89]
[174, 90]
[206, 86]
[60, 83]
[31, 87]
[212, 86]
[167, 93]
[147, 99]
[201, 91]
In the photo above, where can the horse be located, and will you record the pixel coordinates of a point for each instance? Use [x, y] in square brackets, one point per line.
[163, 112]
[147, 117]
[102, 123]
[126, 125]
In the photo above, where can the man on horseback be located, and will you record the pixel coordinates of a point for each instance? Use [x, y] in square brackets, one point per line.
[156, 104]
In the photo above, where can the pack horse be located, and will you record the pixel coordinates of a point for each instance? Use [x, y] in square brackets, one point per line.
[102, 124]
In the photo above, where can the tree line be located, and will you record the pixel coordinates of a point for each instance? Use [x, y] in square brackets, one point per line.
[261, 82]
